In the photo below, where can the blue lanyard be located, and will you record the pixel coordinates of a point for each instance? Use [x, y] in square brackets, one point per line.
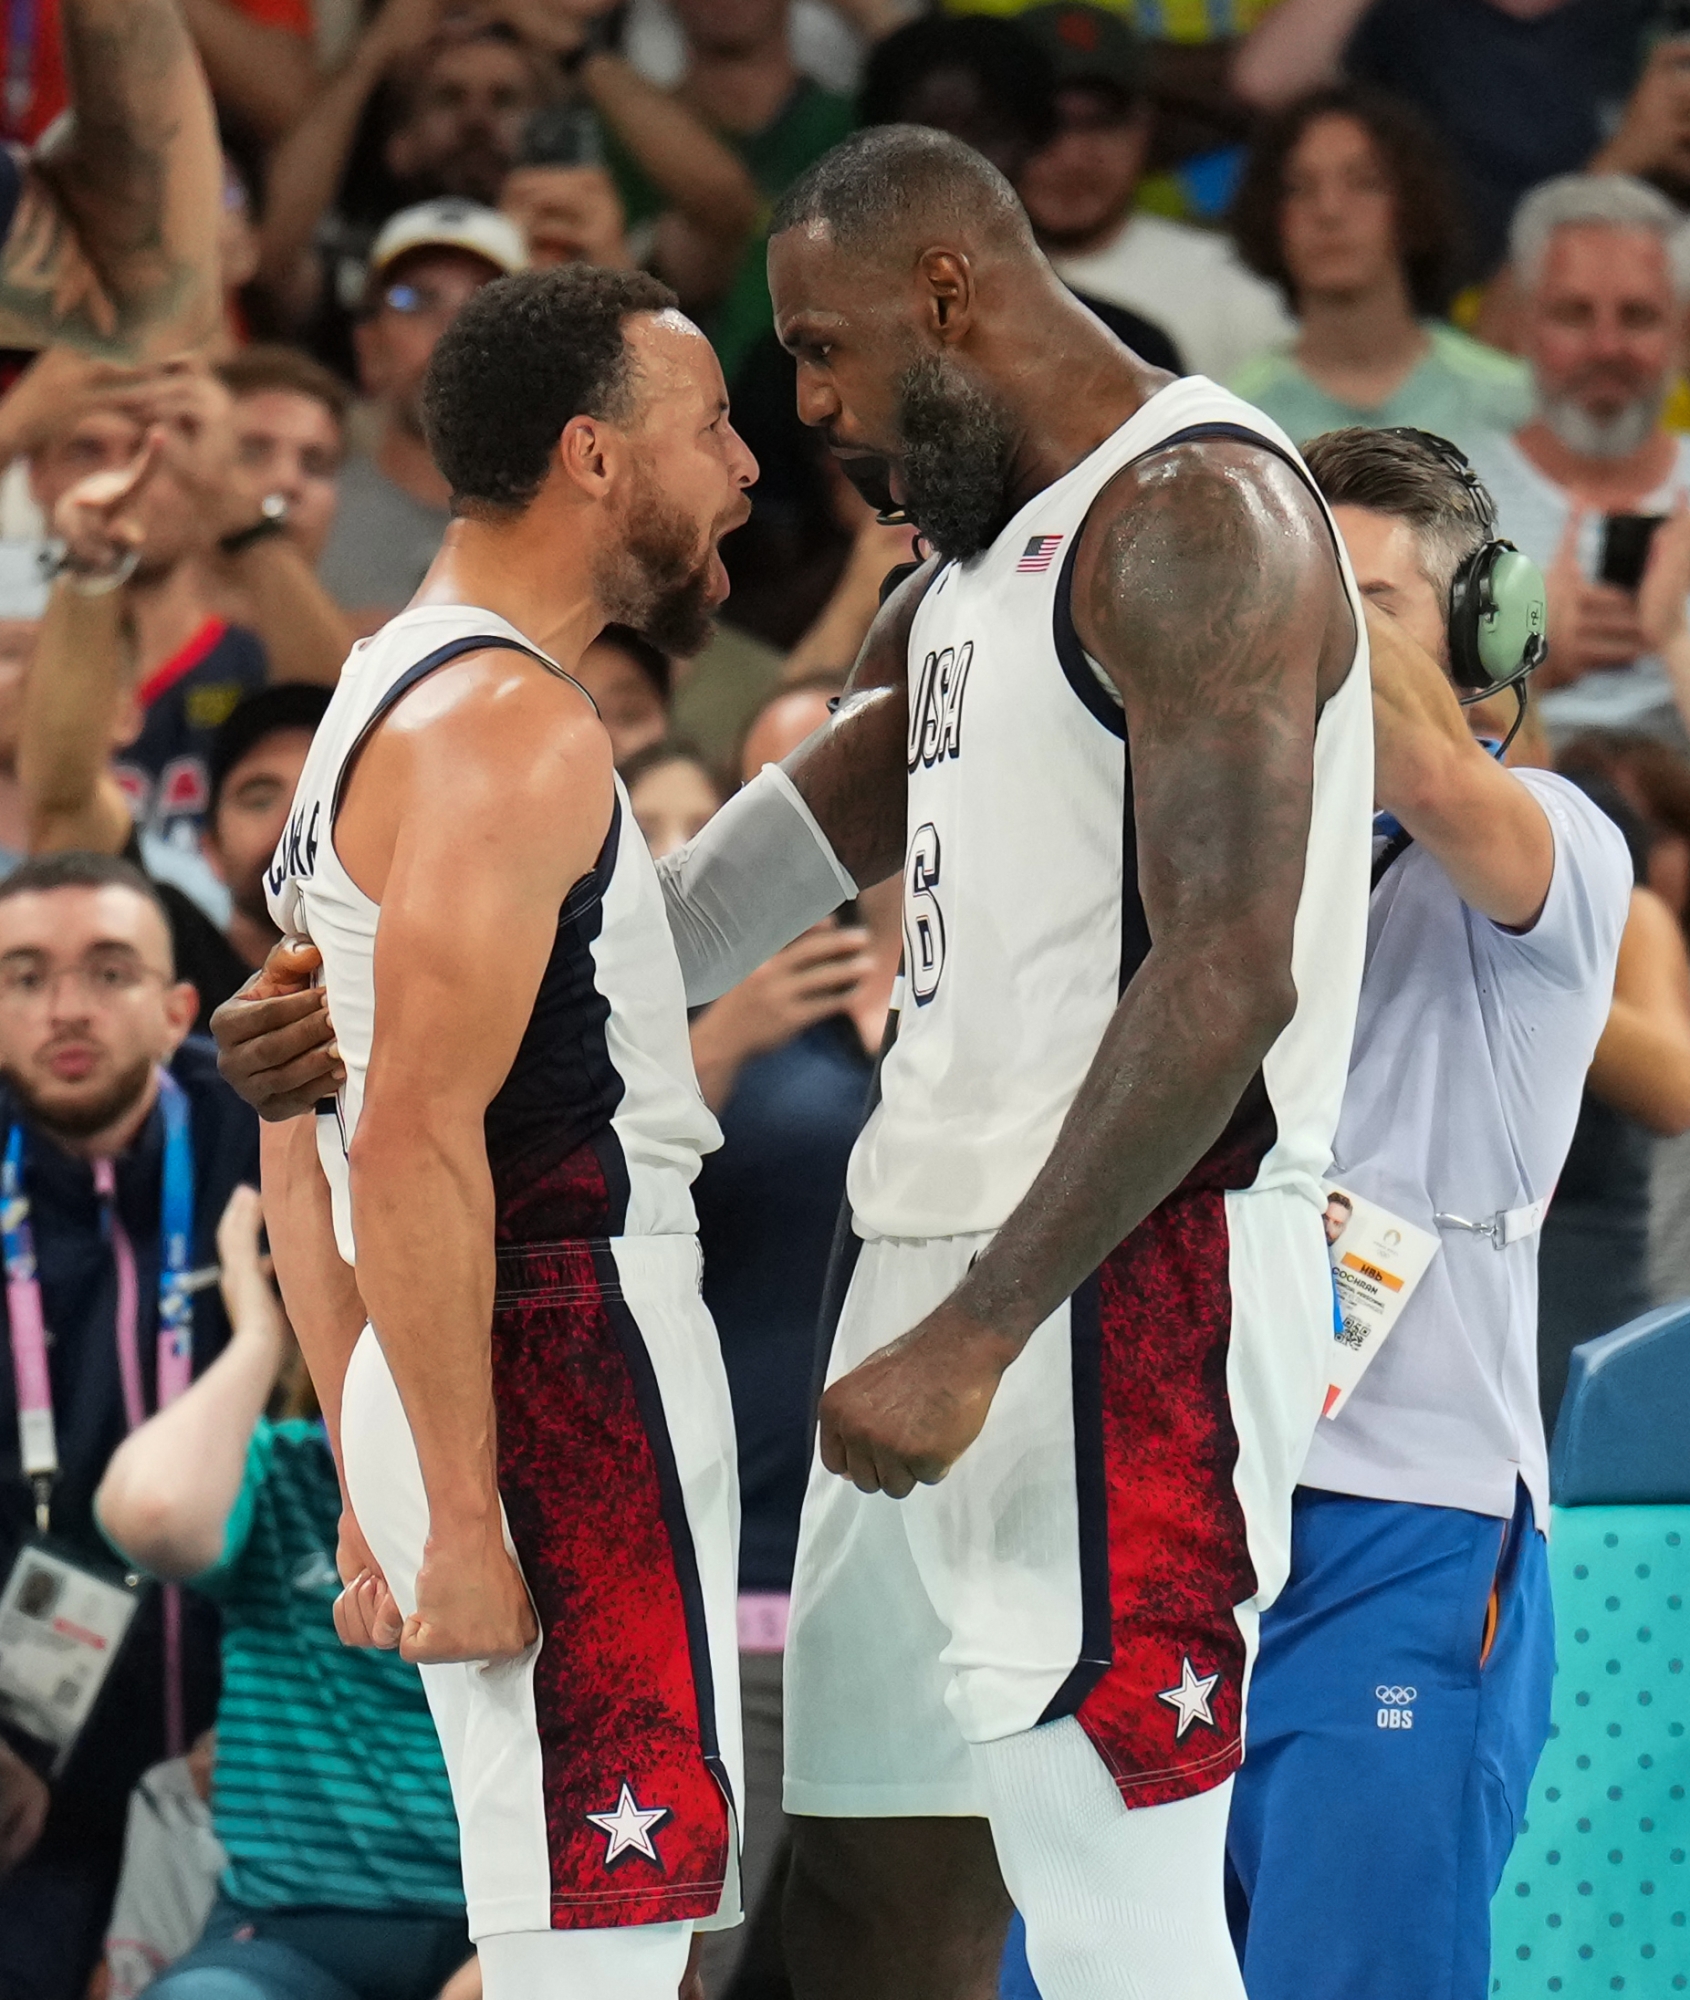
[37, 1444]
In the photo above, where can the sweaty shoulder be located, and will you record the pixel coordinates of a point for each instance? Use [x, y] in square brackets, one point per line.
[491, 752]
[1207, 569]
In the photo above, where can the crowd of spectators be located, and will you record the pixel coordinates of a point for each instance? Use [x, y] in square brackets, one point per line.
[1468, 216]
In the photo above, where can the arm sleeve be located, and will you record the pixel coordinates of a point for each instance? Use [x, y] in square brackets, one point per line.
[758, 875]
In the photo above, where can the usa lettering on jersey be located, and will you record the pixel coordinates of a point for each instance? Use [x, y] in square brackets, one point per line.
[936, 706]
[296, 851]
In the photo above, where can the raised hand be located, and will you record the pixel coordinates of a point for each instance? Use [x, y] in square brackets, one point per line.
[97, 519]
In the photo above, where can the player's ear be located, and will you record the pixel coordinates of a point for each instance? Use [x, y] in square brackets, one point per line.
[947, 279]
[589, 454]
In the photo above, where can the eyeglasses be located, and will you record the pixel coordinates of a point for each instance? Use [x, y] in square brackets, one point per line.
[100, 981]
[419, 301]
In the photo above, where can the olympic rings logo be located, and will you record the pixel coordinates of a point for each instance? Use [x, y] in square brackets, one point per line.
[1396, 1697]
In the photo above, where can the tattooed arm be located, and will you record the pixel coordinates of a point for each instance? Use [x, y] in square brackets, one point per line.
[1207, 588]
[113, 248]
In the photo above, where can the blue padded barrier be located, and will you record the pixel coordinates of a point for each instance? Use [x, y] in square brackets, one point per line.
[1623, 1435]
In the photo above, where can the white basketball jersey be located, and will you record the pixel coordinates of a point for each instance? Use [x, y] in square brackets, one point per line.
[1022, 922]
[599, 1128]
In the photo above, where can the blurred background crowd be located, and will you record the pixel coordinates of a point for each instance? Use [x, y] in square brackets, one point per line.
[1464, 215]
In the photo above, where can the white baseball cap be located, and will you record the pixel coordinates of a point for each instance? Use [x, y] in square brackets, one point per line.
[449, 224]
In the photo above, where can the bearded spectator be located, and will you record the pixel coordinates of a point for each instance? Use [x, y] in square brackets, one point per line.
[1603, 267]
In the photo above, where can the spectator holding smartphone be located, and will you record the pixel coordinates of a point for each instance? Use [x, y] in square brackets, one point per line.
[1603, 265]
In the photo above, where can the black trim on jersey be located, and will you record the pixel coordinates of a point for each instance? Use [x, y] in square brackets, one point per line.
[1108, 709]
[648, 1400]
[1076, 668]
[613, 1162]
[562, 1089]
[1104, 706]
[1091, 1494]
[442, 656]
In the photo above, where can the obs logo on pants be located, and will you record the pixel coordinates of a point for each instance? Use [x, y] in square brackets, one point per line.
[1396, 1706]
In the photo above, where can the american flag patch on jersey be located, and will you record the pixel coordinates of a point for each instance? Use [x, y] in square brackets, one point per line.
[1038, 555]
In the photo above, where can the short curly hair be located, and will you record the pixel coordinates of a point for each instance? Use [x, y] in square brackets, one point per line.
[1431, 226]
[523, 356]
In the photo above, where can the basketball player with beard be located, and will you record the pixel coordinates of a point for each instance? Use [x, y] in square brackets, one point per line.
[1117, 736]
[533, 1427]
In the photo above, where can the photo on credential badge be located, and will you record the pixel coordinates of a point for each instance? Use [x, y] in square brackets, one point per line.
[1377, 1260]
[62, 1627]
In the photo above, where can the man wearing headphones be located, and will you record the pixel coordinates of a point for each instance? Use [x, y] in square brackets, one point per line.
[1401, 1694]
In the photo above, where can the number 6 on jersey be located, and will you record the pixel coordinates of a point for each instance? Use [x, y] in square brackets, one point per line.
[924, 921]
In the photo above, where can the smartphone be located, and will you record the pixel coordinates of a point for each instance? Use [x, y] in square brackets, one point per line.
[562, 135]
[1625, 547]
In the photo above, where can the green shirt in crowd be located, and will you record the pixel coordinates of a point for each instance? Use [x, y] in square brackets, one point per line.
[811, 122]
[1460, 387]
[329, 1790]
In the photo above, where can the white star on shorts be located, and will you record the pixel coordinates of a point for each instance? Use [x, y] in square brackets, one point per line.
[629, 1827]
[1191, 1697]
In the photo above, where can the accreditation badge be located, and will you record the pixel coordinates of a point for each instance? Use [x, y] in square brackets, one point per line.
[62, 1626]
[1377, 1261]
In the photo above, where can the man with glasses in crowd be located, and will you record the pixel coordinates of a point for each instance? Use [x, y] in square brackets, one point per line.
[393, 501]
[118, 1137]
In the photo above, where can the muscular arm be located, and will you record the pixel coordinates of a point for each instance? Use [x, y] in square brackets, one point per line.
[1207, 588]
[320, 1292]
[479, 803]
[1483, 827]
[114, 246]
[318, 1286]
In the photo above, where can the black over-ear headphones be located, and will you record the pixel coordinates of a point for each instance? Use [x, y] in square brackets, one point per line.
[1498, 611]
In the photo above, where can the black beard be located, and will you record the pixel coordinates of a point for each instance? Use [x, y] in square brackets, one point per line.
[82, 1120]
[655, 583]
[957, 444]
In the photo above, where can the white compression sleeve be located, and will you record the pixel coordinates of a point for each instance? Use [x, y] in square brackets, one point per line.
[1120, 1904]
[758, 875]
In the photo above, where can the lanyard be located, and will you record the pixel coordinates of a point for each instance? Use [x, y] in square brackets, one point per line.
[37, 1439]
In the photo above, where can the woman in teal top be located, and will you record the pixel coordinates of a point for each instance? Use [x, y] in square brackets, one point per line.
[1347, 207]
[328, 1794]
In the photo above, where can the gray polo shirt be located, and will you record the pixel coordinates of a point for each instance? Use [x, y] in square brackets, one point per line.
[381, 543]
[1470, 1054]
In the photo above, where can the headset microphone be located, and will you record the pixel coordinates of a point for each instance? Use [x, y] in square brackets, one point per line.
[1498, 608]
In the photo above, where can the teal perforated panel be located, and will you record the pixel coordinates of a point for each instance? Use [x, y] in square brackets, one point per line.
[1596, 1895]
